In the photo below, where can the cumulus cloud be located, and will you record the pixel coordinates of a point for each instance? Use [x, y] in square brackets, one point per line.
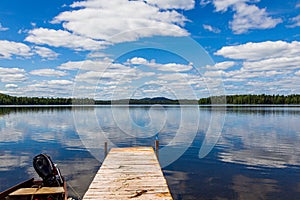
[61, 38]
[277, 55]
[115, 74]
[295, 22]
[223, 5]
[221, 65]
[280, 63]
[211, 29]
[104, 78]
[11, 86]
[60, 82]
[9, 49]
[261, 50]
[246, 16]
[173, 4]
[101, 20]
[3, 28]
[45, 52]
[271, 65]
[251, 17]
[8, 75]
[217, 73]
[168, 67]
[90, 65]
[48, 72]
[49, 88]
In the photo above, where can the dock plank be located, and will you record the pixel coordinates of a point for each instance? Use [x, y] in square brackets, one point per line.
[129, 173]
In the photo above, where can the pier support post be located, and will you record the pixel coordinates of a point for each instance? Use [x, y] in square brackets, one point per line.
[157, 148]
[105, 149]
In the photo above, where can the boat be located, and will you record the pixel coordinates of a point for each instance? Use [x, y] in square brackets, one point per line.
[52, 186]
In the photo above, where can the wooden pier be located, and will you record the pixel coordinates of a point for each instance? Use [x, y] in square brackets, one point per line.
[129, 173]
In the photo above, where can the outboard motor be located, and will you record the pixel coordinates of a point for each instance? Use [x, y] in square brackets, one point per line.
[47, 170]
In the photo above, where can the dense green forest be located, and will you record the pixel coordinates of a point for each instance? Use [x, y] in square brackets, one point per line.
[253, 99]
[12, 100]
[231, 99]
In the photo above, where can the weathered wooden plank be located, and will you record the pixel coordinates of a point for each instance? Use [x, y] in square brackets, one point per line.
[129, 173]
[42, 190]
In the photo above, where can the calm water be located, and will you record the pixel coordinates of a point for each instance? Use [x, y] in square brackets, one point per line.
[206, 153]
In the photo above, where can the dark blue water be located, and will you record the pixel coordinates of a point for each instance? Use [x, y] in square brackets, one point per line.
[206, 153]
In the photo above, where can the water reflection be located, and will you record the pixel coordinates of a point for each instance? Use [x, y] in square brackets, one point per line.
[257, 155]
[261, 140]
[253, 188]
[26, 132]
[176, 128]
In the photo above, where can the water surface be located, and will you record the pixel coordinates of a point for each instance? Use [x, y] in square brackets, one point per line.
[206, 153]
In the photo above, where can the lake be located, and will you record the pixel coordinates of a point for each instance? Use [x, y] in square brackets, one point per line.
[233, 152]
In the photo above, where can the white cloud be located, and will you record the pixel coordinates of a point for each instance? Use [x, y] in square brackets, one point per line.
[297, 73]
[224, 65]
[211, 29]
[102, 20]
[8, 75]
[221, 65]
[265, 67]
[123, 79]
[45, 52]
[175, 77]
[245, 74]
[261, 50]
[246, 16]
[295, 21]
[11, 86]
[251, 17]
[223, 5]
[97, 55]
[217, 73]
[48, 72]
[49, 88]
[138, 61]
[168, 67]
[280, 63]
[60, 82]
[60, 38]
[98, 65]
[117, 74]
[173, 4]
[9, 49]
[3, 28]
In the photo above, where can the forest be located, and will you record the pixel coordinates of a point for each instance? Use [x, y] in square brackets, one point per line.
[231, 99]
[253, 99]
[13, 100]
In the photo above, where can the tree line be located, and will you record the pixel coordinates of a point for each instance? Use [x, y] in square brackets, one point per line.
[253, 99]
[13, 100]
[231, 99]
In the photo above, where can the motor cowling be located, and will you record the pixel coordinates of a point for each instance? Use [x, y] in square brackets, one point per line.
[47, 170]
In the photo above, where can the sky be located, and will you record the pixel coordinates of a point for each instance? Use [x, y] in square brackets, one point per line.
[184, 49]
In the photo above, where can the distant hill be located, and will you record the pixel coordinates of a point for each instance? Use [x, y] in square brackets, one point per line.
[156, 99]
[146, 101]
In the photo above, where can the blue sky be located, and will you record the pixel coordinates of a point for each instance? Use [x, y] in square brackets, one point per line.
[174, 48]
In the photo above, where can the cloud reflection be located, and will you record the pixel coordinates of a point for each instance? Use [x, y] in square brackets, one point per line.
[266, 140]
[9, 161]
